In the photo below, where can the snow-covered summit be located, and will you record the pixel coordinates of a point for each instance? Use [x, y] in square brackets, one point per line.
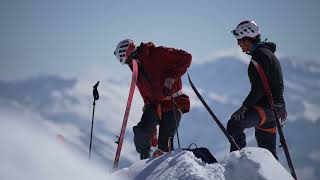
[249, 163]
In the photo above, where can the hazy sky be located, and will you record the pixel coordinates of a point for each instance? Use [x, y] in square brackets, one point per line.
[67, 37]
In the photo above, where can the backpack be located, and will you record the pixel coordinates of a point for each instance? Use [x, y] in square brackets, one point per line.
[203, 154]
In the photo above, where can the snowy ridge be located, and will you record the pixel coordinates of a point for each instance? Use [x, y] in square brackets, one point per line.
[249, 163]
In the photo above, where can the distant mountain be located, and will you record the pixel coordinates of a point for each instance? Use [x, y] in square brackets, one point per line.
[223, 83]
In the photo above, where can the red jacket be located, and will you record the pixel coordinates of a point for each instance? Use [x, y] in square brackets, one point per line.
[155, 65]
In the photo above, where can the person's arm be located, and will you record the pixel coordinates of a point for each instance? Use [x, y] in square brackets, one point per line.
[257, 90]
[177, 61]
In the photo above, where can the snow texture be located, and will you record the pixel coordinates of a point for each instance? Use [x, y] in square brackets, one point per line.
[247, 164]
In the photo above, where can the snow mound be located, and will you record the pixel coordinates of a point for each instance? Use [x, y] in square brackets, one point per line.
[247, 164]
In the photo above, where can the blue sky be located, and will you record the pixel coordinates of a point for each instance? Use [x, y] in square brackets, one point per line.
[67, 36]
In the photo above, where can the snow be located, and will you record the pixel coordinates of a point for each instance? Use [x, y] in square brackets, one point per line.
[29, 151]
[249, 163]
[34, 152]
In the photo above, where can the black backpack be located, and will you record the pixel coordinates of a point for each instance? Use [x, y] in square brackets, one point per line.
[202, 153]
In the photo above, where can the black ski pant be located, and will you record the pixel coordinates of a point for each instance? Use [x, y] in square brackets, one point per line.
[252, 118]
[149, 120]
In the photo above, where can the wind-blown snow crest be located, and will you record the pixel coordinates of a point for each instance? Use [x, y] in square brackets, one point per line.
[30, 149]
[249, 163]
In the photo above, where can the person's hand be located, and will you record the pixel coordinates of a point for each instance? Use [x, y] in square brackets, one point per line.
[168, 82]
[239, 114]
[281, 113]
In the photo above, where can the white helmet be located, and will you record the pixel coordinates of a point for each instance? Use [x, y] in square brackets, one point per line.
[123, 50]
[246, 29]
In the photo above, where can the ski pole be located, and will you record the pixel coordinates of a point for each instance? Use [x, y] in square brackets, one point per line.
[175, 118]
[230, 138]
[95, 97]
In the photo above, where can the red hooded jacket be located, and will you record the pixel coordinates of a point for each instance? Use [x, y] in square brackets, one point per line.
[155, 65]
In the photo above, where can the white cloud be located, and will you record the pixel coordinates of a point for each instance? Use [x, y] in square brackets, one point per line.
[294, 86]
[221, 98]
[218, 97]
[109, 109]
[194, 100]
[231, 52]
[306, 173]
[281, 55]
[311, 111]
[315, 155]
[314, 69]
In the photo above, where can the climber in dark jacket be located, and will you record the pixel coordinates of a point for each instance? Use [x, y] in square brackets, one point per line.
[255, 110]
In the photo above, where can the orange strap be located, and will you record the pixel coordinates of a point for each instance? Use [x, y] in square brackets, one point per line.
[263, 118]
[262, 115]
[269, 130]
[159, 109]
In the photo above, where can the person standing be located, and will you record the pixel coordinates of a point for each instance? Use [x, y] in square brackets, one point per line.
[255, 110]
[159, 82]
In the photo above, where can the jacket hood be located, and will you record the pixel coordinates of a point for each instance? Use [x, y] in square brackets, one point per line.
[270, 45]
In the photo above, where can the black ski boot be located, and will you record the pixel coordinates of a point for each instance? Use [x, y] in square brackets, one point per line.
[144, 155]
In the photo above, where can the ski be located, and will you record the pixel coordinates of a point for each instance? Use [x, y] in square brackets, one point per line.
[126, 114]
[282, 139]
[230, 138]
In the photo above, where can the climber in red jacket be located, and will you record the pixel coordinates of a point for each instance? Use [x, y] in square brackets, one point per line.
[159, 83]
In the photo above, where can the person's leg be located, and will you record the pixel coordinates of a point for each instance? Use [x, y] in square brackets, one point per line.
[143, 131]
[266, 134]
[267, 140]
[168, 127]
[235, 127]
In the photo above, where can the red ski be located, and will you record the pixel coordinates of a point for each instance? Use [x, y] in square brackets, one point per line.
[126, 114]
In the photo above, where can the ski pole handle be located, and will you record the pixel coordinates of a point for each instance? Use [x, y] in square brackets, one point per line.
[95, 91]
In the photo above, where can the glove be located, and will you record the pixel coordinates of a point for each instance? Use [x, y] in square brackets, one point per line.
[239, 114]
[281, 112]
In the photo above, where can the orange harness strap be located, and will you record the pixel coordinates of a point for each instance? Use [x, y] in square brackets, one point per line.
[263, 118]
[159, 109]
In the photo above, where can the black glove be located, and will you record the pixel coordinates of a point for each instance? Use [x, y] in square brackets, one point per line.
[239, 114]
[281, 112]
